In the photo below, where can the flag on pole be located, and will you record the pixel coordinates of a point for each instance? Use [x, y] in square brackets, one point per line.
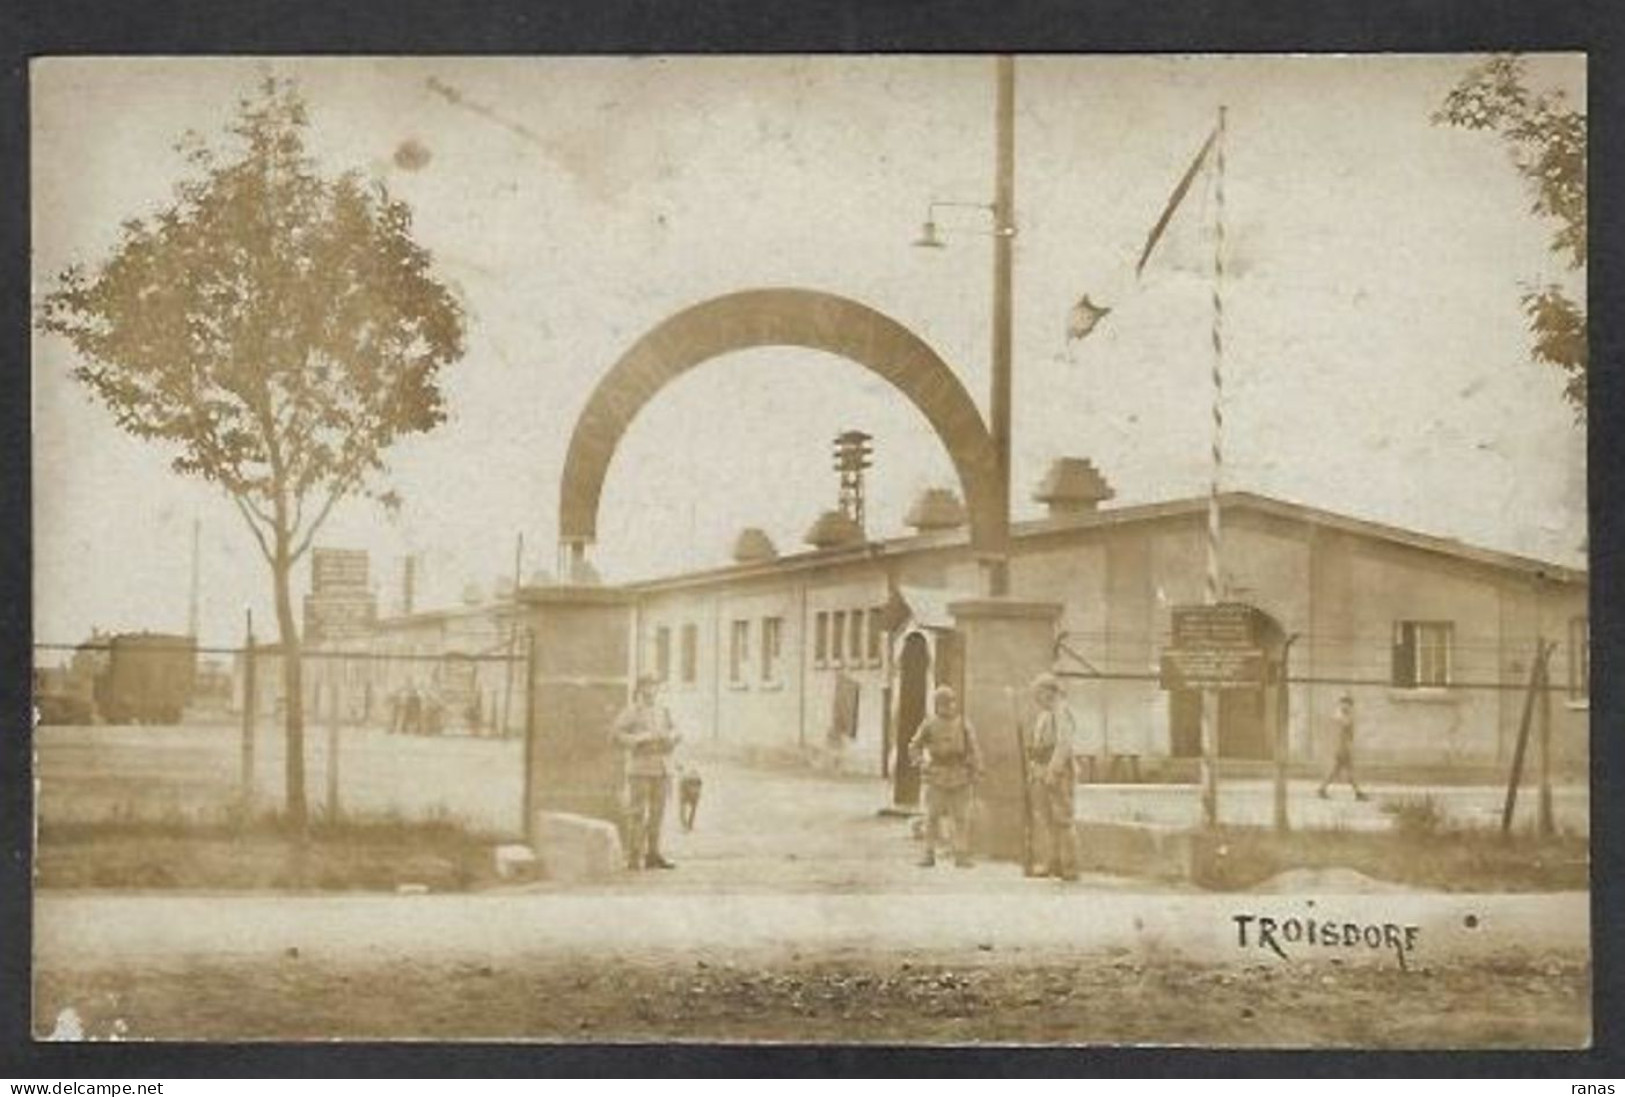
[1174, 200]
[1083, 317]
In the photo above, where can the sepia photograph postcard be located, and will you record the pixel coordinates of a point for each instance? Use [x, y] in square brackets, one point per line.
[897, 549]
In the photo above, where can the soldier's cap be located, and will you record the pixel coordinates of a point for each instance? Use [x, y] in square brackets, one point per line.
[1347, 698]
[942, 692]
[1047, 681]
[648, 681]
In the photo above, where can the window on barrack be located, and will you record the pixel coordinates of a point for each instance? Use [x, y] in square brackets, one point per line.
[1423, 654]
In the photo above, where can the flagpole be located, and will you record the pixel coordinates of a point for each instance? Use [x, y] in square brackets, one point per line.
[1215, 539]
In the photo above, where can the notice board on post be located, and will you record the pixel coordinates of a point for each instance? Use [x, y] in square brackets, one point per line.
[1215, 647]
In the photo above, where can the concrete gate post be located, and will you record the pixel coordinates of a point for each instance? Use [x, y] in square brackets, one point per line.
[1005, 643]
[579, 660]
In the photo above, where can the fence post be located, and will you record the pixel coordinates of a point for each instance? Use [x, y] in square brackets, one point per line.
[527, 792]
[332, 754]
[1537, 674]
[1283, 706]
[1546, 825]
[249, 704]
[1210, 759]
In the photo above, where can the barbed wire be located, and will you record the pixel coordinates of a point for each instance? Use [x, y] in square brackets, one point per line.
[270, 651]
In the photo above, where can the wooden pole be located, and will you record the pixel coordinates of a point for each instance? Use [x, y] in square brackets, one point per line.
[1210, 758]
[1546, 825]
[249, 702]
[527, 826]
[1536, 674]
[1282, 749]
[332, 755]
[513, 638]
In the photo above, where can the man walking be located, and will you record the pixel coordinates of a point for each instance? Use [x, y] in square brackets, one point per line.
[945, 748]
[1343, 766]
[644, 730]
[1053, 772]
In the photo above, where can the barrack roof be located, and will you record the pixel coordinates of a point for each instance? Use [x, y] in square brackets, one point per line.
[1126, 515]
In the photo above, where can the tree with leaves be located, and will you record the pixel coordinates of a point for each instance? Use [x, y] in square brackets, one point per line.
[1547, 141]
[279, 330]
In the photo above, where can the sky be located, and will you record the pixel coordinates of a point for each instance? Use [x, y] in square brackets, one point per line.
[1376, 361]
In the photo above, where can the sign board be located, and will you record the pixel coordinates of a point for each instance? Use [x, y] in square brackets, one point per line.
[330, 617]
[1229, 626]
[1213, 668]
[1215, 647]
[338, 570]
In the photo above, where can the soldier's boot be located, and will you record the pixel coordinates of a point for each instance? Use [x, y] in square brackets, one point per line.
[657, 861]
[1065, 861]
[929, 860]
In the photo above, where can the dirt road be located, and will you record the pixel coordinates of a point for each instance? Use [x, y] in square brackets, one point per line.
[1031, 917]
[1032, 962]
[797, 913]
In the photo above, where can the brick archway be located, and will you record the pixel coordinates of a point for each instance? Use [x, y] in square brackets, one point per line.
[782, 317]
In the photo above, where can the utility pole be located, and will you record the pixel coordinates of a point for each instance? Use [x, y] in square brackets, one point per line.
[1004, 232]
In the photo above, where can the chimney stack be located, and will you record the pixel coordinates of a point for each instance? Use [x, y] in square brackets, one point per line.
[834, 530]
[753, 546]
[935, 509]
[1073, 486]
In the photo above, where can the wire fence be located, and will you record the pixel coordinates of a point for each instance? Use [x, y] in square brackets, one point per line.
[399, 728]
[159, 728]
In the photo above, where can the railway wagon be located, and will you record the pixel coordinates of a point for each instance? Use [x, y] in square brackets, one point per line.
[149, 678]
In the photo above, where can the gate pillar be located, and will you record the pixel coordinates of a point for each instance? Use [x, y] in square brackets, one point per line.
[579, 660]
[1004, 644]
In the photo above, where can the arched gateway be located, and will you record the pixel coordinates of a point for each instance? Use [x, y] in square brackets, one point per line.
[580, 655]
[781, 317]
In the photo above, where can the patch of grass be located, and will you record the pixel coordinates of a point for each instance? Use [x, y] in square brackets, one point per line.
[1416, 816]
[264, 852]
[1428, 856]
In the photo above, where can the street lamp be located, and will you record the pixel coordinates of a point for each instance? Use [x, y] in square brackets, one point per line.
[997, 563]
[931, 231]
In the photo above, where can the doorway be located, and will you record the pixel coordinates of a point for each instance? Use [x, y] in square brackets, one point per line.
[914, 686]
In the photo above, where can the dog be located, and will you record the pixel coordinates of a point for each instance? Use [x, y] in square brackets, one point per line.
[689, 785]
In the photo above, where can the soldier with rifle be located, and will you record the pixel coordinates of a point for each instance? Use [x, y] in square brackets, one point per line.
[644, 729]
[1052, 776]
[945, 746]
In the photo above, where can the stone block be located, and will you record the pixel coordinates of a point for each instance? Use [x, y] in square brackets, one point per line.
[514, 861]
[1136, 849]
[576, 847]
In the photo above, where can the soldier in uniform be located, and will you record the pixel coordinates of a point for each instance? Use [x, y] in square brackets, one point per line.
[1343, 764]
[945, 748]
[645, 731]
[1052, 771]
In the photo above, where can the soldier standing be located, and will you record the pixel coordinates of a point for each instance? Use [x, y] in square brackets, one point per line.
[644, 730]
[1053, 773]
[946, 749]
[1343, 765]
